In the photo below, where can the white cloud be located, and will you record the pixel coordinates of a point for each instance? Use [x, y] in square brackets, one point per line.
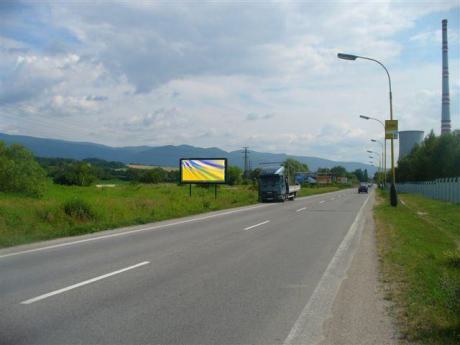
[213, 74]
[435, 36]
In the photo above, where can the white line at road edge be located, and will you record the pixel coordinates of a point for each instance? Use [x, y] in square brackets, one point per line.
[256, 225]
[301, 209]
[308, 329]
[129, 232]
[86, 282]
[322, 201]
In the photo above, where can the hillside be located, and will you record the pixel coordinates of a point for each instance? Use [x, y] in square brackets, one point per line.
[168, 155]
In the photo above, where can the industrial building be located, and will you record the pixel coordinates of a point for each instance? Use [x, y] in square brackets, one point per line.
[407, 141]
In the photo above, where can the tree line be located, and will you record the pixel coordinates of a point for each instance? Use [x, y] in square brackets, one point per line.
[21, 172]
[436, 157]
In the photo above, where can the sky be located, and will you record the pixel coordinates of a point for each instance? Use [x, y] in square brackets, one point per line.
[225, 74]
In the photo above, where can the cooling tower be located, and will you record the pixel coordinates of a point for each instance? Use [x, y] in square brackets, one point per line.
[407, 141]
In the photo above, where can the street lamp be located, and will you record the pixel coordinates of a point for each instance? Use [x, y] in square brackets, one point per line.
[393, 195]
[380, 166]
[383, 158]
[384, 143]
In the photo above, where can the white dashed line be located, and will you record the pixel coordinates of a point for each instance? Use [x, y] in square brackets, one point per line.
[322, 201]
[86, 282]
[301, 209]
[255, 225]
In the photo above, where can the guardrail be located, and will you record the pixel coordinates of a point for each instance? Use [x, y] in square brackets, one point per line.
[447, 189]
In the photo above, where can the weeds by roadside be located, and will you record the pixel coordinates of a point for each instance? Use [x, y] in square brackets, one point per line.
[74, 210]
[418, 244]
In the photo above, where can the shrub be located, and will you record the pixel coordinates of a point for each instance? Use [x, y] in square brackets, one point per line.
[234, 175]
[77, 173]
[19, 172]
[155, 175]
[79, 209]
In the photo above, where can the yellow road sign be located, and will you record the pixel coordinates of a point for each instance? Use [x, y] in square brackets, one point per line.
[391, 129]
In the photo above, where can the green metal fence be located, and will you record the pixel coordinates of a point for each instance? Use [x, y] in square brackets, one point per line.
[447, 189]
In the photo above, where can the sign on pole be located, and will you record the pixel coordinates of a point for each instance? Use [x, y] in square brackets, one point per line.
[203, 170]
[391, 129]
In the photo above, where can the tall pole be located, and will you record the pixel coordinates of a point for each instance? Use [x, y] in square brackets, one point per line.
[445, 111]
[384, 145]
[383, 172]
[385, 161]
[380, 161]
[382, 157]
[393, 194]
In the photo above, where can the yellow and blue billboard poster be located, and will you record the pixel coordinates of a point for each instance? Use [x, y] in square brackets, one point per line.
[203, 170]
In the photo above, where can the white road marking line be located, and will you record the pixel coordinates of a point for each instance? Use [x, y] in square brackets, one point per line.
[86, 282]
[255, 225]
[301, 209]
[332, 198]
[308, 329]
[322, 201]
[150, 228]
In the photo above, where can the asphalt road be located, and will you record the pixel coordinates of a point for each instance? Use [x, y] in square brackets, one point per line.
[240, 276]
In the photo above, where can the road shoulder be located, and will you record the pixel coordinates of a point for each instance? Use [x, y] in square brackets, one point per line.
[360, 313]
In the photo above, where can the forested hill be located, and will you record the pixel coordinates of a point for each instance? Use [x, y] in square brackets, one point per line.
[168, 155]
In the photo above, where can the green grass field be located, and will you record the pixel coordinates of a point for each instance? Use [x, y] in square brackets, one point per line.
[89, 209]
[71, 210]
[419, 247]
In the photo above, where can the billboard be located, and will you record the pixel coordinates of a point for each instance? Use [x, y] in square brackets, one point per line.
[203, 170]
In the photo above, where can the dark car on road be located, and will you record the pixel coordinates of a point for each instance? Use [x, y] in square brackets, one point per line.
[362, 188]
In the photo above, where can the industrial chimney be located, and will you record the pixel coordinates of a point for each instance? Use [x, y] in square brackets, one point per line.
[445, 114]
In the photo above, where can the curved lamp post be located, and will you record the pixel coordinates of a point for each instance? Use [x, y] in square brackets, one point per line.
[384, 145]
[379, 166]
[393, 195]
[383, 159]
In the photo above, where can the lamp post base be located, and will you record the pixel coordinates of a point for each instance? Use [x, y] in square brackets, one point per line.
[393, 196]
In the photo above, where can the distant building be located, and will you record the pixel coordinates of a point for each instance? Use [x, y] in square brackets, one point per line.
[342, 179]
[456, 132]
[324, 179]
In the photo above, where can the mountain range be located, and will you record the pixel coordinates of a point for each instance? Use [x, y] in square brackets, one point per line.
[168, 155]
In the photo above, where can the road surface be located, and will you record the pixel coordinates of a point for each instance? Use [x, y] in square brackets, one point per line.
[262, 274]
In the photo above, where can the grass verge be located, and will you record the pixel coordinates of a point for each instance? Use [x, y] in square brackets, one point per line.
[70, 210]
[419, 248]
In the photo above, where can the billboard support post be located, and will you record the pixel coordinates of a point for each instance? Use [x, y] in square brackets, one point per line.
[203, 171]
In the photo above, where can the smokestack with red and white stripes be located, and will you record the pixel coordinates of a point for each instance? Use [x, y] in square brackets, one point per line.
[445, 114]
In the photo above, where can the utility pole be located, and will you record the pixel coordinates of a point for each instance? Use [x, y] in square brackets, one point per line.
[246, 161]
